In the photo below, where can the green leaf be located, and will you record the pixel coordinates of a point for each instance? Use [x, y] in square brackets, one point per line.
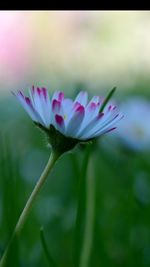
[107, 99]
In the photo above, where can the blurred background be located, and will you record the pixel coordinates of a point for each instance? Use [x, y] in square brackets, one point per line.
[73, 51]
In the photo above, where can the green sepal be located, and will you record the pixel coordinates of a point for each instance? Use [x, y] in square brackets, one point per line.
[59, 142]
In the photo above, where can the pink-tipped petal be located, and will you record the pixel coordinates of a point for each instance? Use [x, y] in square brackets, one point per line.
[100, 115]
[39, 91]
[110, 107]
[102, 132]
[59, 96]
[59, 119]
[82, 98]
[33, 89]
[27, 105]
[59, 123]
[87, 130]
[28, 101]
[101, 129]
[79, 109]
[75, 122]
[44, 91]
[91, 112]
[112, 129]
[92, 106]
[41, 102]
[76, 105]
[95, 99]
[56, 105]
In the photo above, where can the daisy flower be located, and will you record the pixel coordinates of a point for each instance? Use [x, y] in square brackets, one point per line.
[64, 119]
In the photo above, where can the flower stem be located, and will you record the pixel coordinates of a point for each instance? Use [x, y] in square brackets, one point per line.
[22, 219]
[88, 234]
[78, 237]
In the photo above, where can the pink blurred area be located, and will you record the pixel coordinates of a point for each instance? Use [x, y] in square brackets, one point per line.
[15, 45]
[40, 46]
[99, 49]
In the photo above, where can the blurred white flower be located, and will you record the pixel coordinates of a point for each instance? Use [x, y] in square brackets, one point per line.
[134, 130]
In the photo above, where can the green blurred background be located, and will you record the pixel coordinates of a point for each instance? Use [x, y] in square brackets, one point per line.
[73, 51]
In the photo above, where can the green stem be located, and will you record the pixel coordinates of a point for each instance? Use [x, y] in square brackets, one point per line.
[81, 206]
[88, 234]
[22, 219]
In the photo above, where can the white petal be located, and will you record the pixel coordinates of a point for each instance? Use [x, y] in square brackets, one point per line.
[27, 105]
[88, 130]
[59, 123]
[100, 123]
[95, 99]
[41, 103]
[58, 95]
[74, 123]
[107, 126]
[90, 118]
[82, 98]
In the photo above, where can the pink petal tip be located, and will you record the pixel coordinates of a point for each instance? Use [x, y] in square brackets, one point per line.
[59, 119]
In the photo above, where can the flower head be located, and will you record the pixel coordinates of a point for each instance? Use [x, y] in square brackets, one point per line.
[74, 121]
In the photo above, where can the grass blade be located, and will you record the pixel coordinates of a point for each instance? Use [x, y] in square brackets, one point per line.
[48, 255]
[107, 99]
